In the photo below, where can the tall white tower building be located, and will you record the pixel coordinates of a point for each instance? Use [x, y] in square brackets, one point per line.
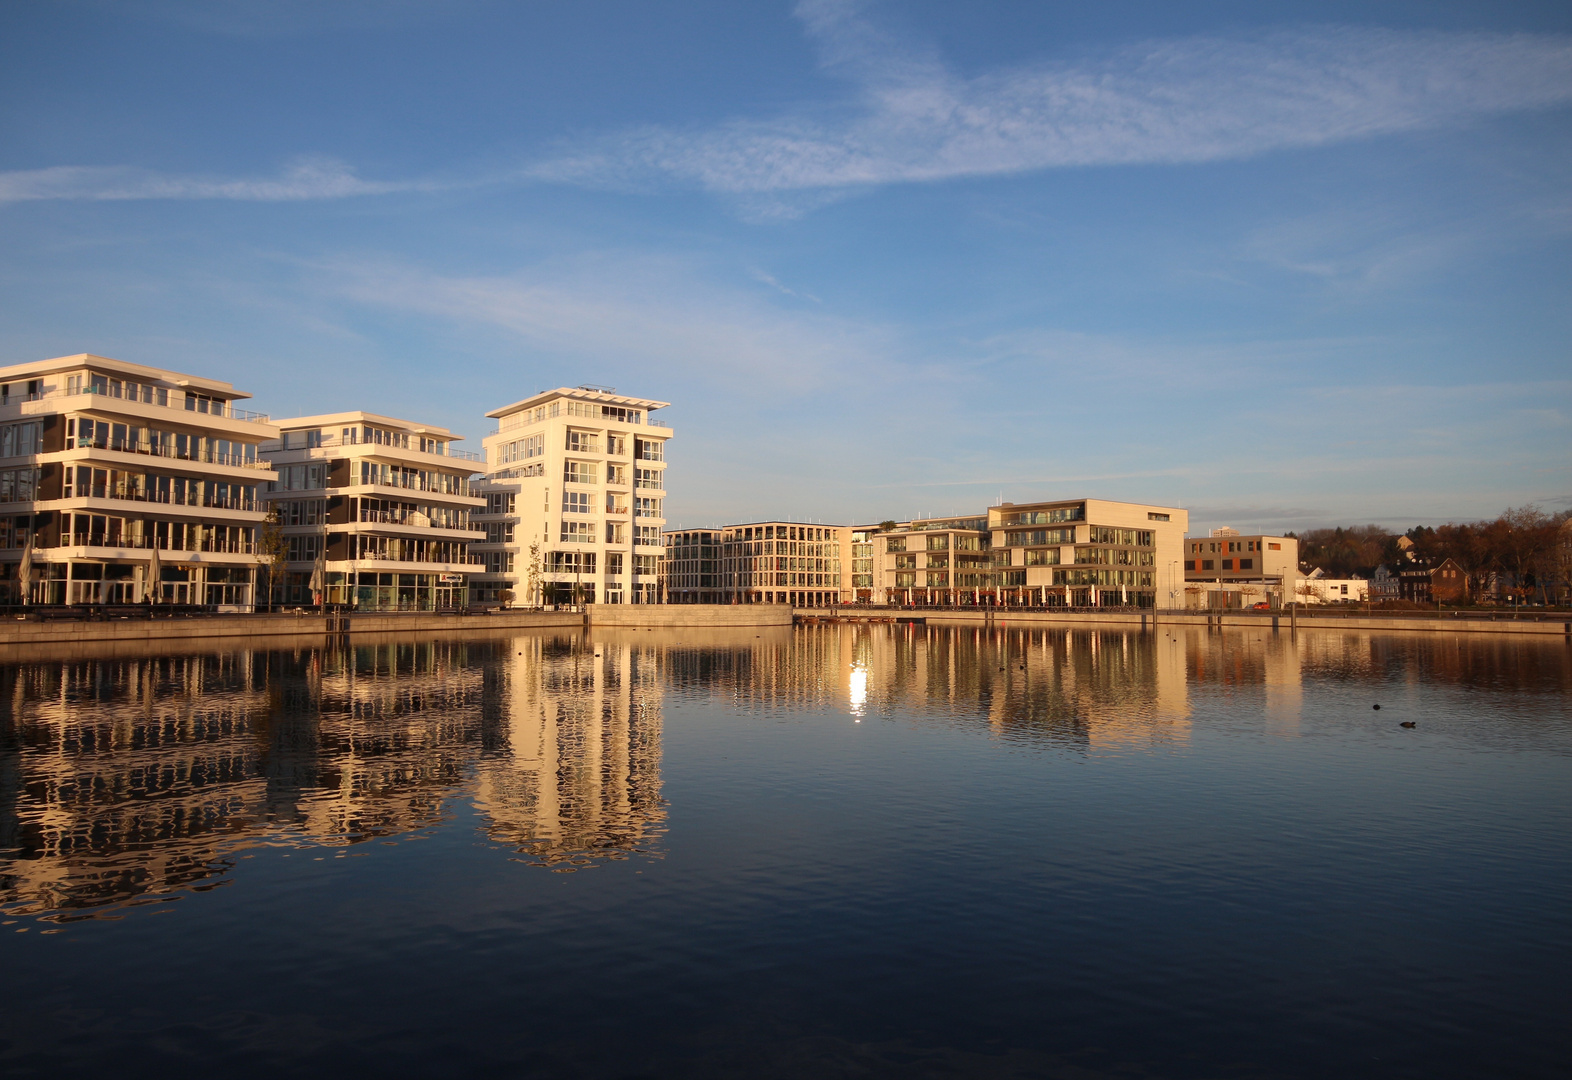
[575, 500]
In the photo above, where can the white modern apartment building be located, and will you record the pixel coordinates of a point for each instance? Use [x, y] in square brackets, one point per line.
[379, 507]
[574, 493]
[121, 483]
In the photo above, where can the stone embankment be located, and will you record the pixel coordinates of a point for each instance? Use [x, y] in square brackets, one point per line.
[1557, 626]
[208, 628]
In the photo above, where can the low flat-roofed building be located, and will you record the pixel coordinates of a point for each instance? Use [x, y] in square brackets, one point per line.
[105, 462]
[1228, 558]
[385, 504]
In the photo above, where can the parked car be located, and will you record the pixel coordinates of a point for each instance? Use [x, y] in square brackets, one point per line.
[1262, 606]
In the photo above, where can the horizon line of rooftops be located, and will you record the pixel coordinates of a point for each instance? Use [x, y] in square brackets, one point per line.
[107, 377]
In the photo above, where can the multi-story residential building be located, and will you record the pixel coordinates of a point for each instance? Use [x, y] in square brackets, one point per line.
[384, 504]
[1227, 559]
[1073, 552]
[859, 573]
[761, 562]
[574, 493]
[103, 463]
[934, 561]
[690, 567]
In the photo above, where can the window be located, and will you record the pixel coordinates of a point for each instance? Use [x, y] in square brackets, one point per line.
[895, 543]
[936, 562]
[578, 472]
[1150, 516]
[1274, 547]
[647, 535]
[905, 581]
[1228, 564]
[583, 442]
[647, 508]
[1189, 564]
[1044, 557]
[616, 532]
[940, 542]
[575, 502]
[1206, 564]
[938, 579]
[645, 565]
[647, 478]
[1015, 577]
[645, 450]
[617, 445]
[578, 532]
[614, 563]
[905, 562]
[1247, 564]
[499, 503]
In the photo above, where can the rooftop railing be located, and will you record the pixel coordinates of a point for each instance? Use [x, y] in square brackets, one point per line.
[188, 403]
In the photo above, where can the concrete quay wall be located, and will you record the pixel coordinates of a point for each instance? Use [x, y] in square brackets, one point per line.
[1122, 620]
[686, 615]
[15, 633]
[204, 627]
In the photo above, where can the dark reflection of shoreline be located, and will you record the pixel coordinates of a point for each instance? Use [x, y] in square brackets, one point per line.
[123, 781]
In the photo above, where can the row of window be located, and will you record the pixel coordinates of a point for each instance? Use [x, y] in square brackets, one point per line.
[1202, 565]
[107, 530]
[531, 446]
[1043, 517]
[399, 549]
[583, 532]
[82, 432]
[940, 543]
[311, 477]
[146, 393]
[385, 475]
[86, 482]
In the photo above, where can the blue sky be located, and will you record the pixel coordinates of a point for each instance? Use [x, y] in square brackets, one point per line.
[1284, 265]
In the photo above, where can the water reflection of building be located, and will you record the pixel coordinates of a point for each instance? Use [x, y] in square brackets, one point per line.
[1092, 687]
[575, 773]
[124, 778]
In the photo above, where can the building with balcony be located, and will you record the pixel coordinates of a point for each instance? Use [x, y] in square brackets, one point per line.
[574, 496]
[1089, 553]
[104, 462]
[934, 561]
[762, 562]
[1073, 552]
[1228, 569]
[384, 504]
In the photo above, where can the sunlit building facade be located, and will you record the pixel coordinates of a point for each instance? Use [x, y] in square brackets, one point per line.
[762, 562]
[574, 492]
[385, 505]
[104, 462]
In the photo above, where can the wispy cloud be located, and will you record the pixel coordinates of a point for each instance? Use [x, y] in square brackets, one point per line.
[310, 178]
[1186, 100]
[624, 311]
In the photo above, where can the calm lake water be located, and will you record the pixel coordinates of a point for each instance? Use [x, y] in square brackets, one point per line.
[832, 851]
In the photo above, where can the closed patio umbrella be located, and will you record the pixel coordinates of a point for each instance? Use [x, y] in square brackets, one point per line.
[155, 570]
[24, 573]
[319, 575]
